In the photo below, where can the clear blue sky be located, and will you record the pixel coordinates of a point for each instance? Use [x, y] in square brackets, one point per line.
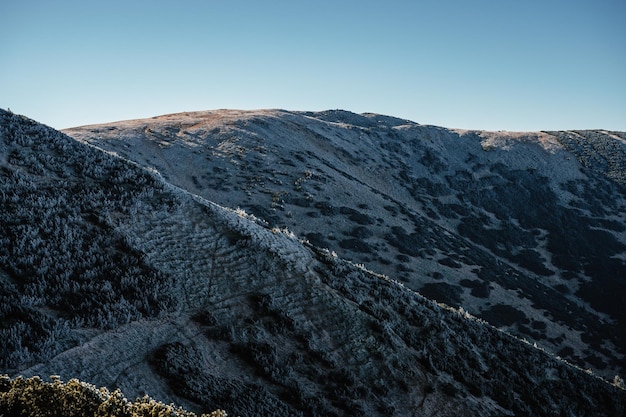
[479, 64]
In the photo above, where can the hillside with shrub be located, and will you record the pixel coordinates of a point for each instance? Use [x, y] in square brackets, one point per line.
[114, 275]
[526, 230]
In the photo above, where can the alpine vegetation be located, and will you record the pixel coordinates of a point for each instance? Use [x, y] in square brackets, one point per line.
[526, 230]
[35, 397]
[129, 261]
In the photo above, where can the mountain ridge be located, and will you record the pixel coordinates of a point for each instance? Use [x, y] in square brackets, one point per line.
[532, 205]
[118, 277]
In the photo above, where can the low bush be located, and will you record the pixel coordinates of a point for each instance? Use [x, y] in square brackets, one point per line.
[34, 397]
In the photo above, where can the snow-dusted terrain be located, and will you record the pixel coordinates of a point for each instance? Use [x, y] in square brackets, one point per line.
[133, 267]
[526, 230]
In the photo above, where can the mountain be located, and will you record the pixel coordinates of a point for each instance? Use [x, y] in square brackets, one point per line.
[122, 274]
[524, 230]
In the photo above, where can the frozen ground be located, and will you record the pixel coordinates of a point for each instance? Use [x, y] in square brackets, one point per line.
[512, 226]
[123, 274]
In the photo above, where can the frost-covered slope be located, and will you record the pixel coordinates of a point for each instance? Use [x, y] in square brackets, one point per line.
[115, 276]
[525, 230]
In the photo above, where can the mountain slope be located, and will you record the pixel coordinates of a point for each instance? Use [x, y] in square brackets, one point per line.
[525, 230]
[121, 279]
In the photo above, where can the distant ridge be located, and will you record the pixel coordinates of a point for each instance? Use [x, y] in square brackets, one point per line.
[526, 230]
